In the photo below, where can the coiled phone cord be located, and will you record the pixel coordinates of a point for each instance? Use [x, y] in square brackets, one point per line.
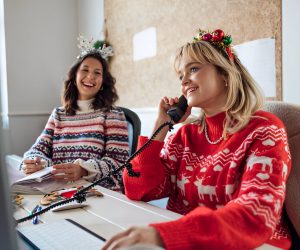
[80, 195]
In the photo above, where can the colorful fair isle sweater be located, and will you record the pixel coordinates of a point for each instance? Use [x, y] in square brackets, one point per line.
[94, 139]
[231, 193]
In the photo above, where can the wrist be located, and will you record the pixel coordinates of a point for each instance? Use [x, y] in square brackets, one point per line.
[159, 121]
[157, 237]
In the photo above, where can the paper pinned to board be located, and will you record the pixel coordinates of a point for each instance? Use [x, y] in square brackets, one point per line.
[258, 57]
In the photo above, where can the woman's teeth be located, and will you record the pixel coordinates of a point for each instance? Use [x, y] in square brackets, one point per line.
[191, 90]
[88, 84]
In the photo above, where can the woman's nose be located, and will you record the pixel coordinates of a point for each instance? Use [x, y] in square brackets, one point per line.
[184, 80]
[91, 76]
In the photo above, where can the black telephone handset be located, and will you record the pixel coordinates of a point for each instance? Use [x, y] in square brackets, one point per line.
[177, 111]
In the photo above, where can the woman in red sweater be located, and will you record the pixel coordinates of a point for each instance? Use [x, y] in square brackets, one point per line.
[226, 172]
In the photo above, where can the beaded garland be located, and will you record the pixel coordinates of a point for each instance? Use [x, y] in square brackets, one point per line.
[217, 38]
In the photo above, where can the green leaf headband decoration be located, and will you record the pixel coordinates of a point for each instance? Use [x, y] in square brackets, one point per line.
[90, 46]
[217, 38]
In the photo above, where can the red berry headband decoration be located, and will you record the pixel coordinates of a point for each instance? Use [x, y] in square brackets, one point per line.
[217, 38]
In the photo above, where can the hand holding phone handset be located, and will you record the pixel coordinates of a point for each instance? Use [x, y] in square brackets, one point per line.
[177, 112]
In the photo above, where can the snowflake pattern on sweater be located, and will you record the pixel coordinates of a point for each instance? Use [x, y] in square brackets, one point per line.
[231, 193]
[96, 140]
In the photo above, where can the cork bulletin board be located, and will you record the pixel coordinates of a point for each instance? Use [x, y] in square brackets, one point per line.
[141, 83]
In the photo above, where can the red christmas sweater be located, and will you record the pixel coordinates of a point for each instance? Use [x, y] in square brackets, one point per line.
[231, 194]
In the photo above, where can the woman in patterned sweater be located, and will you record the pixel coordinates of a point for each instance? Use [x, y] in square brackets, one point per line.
[226, 173]
[88, 136]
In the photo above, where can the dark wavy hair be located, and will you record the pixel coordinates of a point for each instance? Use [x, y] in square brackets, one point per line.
[104, 99]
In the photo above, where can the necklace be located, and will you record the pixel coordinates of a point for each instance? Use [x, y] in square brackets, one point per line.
[207, 138]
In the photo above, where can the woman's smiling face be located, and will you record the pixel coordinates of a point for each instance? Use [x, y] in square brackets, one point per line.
[89, 78]
[203, 86]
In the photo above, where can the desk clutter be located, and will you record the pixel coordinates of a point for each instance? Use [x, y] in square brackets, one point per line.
[105, 216]
[17, 199]
[40, 182]
[52, 197]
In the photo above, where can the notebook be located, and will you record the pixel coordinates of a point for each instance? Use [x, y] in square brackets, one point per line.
[63, 234]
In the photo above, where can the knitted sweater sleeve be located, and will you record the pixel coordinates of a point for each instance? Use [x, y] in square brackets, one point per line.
[43, 145]
[116, 149]
[250, 218]
[154, 181]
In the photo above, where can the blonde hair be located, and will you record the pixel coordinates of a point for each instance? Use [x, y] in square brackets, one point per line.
[244, 97]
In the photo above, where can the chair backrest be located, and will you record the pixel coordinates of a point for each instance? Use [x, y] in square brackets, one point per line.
[134, 128]
[290, 116]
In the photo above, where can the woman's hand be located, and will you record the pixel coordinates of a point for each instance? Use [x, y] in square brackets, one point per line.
[164, 105]
[68, 172]
[132, 236]
[31, 166]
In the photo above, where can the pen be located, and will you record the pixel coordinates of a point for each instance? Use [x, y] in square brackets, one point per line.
[34, 210]
[35, 219]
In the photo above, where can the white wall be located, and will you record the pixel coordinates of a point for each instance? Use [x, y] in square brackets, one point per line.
[290, 50]
[41, 45]
[91, 18]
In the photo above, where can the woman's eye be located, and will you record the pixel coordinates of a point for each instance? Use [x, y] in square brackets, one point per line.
[84, 70]
[194, 69]
[98, 73]
[180, 78]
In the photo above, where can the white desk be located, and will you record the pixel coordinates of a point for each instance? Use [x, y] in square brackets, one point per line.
[105, 216]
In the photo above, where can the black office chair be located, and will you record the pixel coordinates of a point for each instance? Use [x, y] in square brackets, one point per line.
[134, 128]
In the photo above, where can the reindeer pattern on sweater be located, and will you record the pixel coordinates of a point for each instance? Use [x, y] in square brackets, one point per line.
[243, 178]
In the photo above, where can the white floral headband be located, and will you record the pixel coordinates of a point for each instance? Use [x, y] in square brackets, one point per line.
[90, 46]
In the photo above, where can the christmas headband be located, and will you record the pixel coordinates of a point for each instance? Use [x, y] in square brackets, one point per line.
[217, 38]
[90, 46]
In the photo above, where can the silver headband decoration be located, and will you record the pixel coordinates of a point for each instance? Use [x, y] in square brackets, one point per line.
[90, 46]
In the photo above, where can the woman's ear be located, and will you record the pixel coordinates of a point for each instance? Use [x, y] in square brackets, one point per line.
[226, 83]
[225, 79]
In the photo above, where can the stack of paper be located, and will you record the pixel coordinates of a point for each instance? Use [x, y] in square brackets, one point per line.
[41, 182]
[38, 176]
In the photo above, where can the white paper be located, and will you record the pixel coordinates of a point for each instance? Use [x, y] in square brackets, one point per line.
[258, 57]
[46, 186]
[60, 234]
[38, 176]
[39, 182]
[144, 44]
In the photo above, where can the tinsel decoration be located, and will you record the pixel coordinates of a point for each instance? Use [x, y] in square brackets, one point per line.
[90, 46]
